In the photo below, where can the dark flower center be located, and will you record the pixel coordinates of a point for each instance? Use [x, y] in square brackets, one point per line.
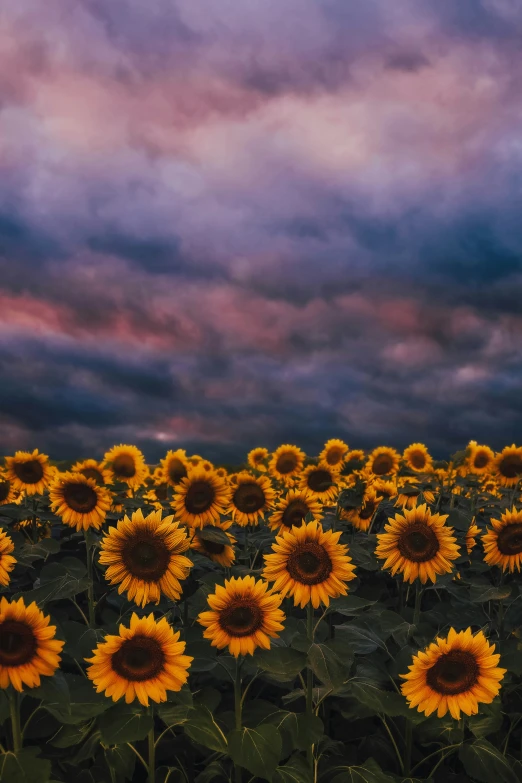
[161, 491]
[382, 464]
[124, 466]
[177, 470]
[367, 510]
[334, 455]
[241, 617]
[212, 547]
[5, 488]
[511, 466]
[249, 498]
[418, 459]
[454, 672]
[17, 643]
[92, 473]
[80, 497]
[481, 459]
[294, 513]
[509, 539]
[145, 557]
[319, 480]
[286, 462]
[418, 543]
[30, 472]
[309, 563]
[199, 497]
[138, 659]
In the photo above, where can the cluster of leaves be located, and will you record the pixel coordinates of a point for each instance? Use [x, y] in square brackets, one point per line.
[362, 729]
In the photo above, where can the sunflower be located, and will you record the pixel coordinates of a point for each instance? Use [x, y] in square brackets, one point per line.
[244, 614]
[29, 473]
[480, 458]
[219, 553]
[127, 464]
[145, 559]
[194, 460]
[383, 461]
[320, 481]
[79, 501]
[353, 461]
[7, 562]
[455, 674]
[292, 510]
[472, 531]
[309, 564]
[257, 458]
[174, 467]
[8, 493]
[418, 545]
[387, 489]
[507, 466]
[201, 498]
[221, 472]
[93, 470]
[251, 498]
[143, 662]
[28, 648]
[334, 453]
[409, 492]
[417, 458]
[503, 543]
[286, 462]
[361, 517]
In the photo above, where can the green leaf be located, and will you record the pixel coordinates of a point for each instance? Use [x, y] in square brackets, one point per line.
[488, 721]
[26, 766]
[86, 703]
[202, 728]
[214, 534]
[257, 750]
[58, 580]
[362, 639]
[54, 690]
[68, 736]
[303, 729]
[173, 714]
[479, 594]
[326, 665]
[483, 762]
[121, 760]
[382, 702]
[296, 770]
[123, 724]
[213, 771]
[81, 641]
[283, 663]
[369, 772]
[350, 605]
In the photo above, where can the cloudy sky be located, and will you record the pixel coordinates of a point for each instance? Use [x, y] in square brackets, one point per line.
[250, 222]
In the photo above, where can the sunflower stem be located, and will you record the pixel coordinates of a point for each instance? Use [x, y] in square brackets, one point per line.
[90, 588]
[237, 711]
[310, 678]
[152, 751]
[14, 710]
[418, 600]
[35, 524]
[408, 748]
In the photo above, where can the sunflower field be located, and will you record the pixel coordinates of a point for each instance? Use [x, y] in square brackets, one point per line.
[351, 617]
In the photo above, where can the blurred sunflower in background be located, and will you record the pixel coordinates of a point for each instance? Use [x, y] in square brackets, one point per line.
[142, 662]
[216, 551]
[145, 557]
[257, 458]
[383, 461]
[361, 517]
[418, 545]
[320, 481]
[507, 466]
[7, 561]
[409, 491]
[29, 472]
[292, 510]
[453, 674]
[334, 453]
[79, 501]
[251, 498]
[244, 615]
[201, 498]
[480, 459]
[127, 465]
[503, 542]
[8, 494]
[92, 469]
[470, 538]
[286, 462]
[386, 489]
[174, 467]
[417, 458]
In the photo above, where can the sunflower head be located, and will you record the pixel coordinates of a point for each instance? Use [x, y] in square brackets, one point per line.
[7, 561]
[386, 489]
[251, 497]
[334, 453]
[8, 494]
[503, 542]
[320, 481]
[453, 674]
[361, 517]
[244, 614]
[417, 458]
[145, 557]
[28, 648]
[92, 469]
[127, 465]
[472, 531]
[201, 498]
[309, 564]
[143, 662]
[257, 458]
[217, 551]
[292, 510]
[410, 491]
[480, 459]
[507, 466]
[79, 501]
[418, 545]
[174, 467]
[383, 461]
[29, 472]
[286, 462]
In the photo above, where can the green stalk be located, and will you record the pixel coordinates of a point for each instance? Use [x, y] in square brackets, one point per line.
[152, 752]
[237, 711]
[310, 679]
[14, 710]
[409, 745]
[35, 524]
[418, 599]
[90, 588]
